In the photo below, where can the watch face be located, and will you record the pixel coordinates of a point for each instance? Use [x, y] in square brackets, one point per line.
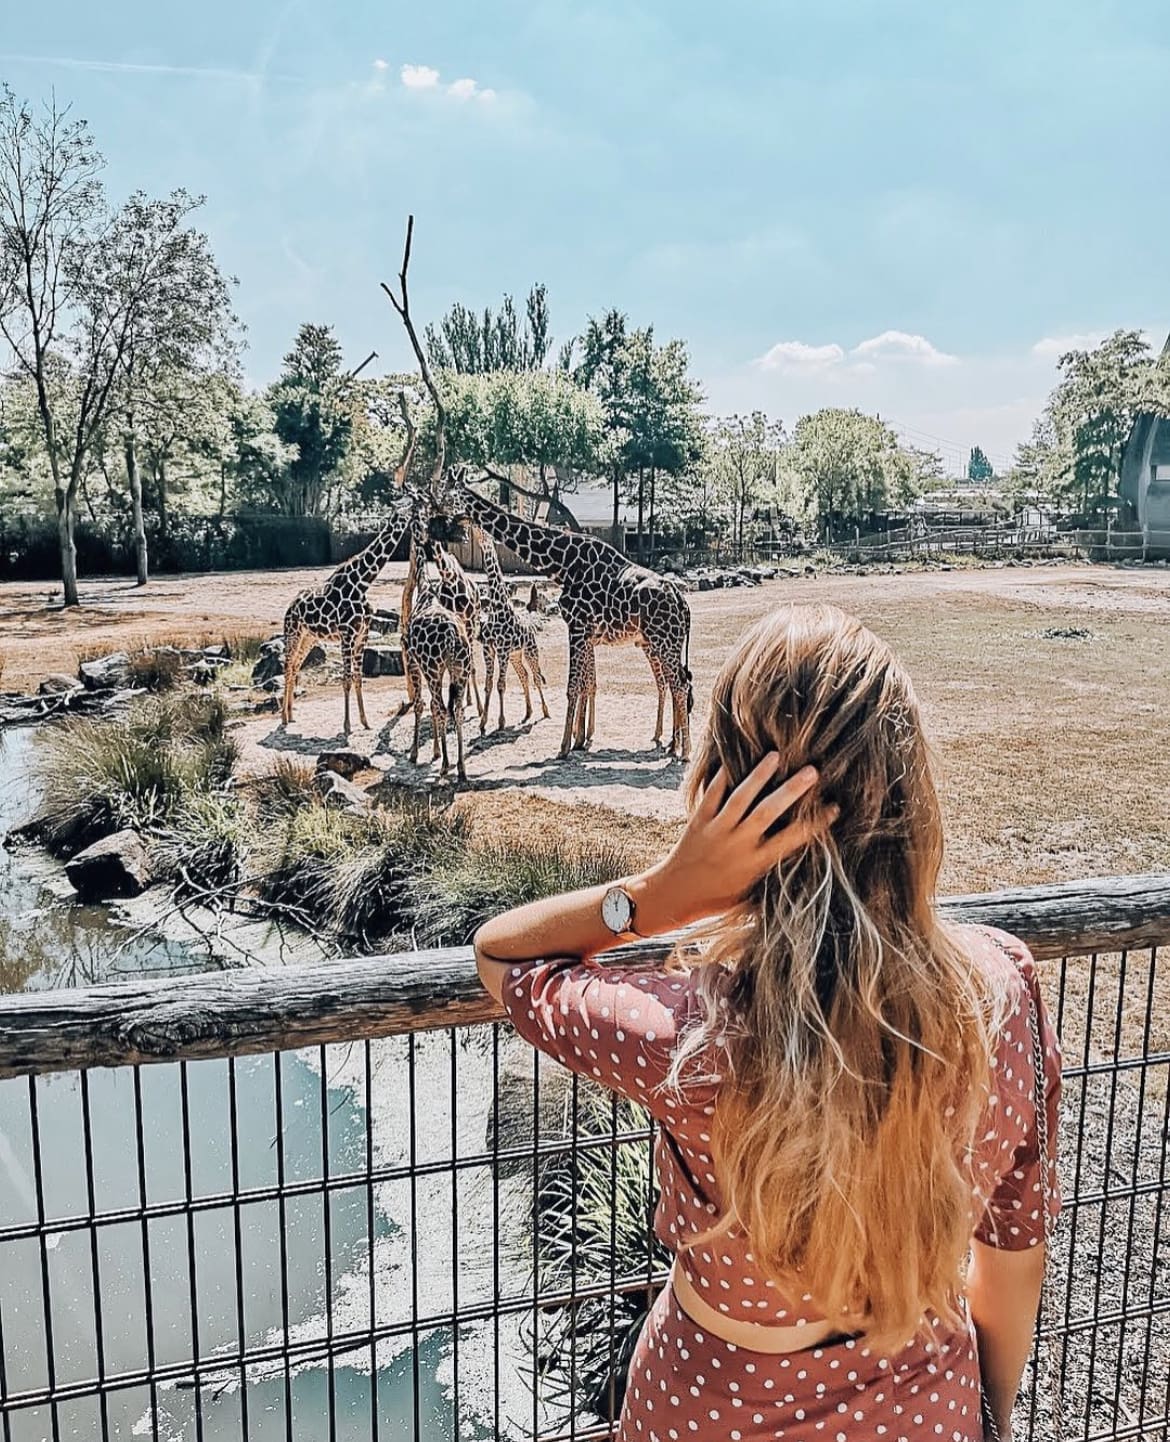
[616, 910]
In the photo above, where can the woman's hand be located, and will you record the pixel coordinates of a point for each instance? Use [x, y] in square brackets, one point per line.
[726, 848]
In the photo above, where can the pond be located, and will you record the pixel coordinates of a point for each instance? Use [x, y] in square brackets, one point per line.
[199, 1281]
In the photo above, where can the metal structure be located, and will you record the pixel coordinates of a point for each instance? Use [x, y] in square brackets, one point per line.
[344, 1202]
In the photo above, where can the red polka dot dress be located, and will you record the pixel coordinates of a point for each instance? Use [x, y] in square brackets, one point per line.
[619, 1028]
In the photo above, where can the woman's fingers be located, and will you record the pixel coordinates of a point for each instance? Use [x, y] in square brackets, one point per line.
[712, 799]
[773, 807]
[739, 803]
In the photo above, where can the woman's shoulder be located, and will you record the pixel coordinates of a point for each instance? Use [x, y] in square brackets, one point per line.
[999, 954]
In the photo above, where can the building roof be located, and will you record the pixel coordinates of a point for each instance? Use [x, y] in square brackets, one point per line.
[592, 505]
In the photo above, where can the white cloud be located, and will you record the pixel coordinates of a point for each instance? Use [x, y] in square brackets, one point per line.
[900, 345]
[462, 89]
[419, 77]
[1054, 346]
[795, 355]
[487, 95]
[381, 64]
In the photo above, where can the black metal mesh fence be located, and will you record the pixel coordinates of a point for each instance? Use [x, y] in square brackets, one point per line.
[440, 1236]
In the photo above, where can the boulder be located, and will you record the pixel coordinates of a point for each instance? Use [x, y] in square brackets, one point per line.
[414, 787]
[344, 761]
[339, 794]
[385, 622]
[270, 662]
[58, 685]
[706, 583]
[117, 865]
[221, 653]
[315, 656]
[382, 660]
[106, 672]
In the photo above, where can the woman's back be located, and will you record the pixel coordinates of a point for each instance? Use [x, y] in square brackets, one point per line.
[620, 1028]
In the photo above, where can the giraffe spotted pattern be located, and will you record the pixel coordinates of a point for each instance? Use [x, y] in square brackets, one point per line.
[508, 638]
[605, 600]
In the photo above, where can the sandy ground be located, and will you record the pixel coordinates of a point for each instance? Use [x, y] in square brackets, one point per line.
[1053, 753]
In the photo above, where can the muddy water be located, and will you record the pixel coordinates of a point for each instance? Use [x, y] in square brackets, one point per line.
[160, 1138]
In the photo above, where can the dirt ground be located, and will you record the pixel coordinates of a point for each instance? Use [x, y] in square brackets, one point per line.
[1053, 752]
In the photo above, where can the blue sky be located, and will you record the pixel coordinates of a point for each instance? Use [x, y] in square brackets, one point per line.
[906, 206]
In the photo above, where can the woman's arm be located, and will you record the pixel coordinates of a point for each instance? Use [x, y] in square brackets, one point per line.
[723, 852]
[1003, 1290]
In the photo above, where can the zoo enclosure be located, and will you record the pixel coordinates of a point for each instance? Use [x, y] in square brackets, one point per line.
[332, 1209]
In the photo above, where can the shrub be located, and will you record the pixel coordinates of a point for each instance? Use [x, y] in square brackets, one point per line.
[100, 775]
[205, 844]
[159, 668]
[356, 875]
[465, 887]
[287, 785]
[595, 1205]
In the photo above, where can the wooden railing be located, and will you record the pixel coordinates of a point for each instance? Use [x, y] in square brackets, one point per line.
[383, 1100]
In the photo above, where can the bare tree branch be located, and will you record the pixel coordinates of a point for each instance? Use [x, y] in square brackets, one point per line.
[402, 306]
[402, 470]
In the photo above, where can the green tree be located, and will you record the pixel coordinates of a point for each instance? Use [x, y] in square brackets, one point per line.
[180, 330]
[312, 405]
[604, 369]
[743, 457]
[469, 344]
[979, 468]
[1100, 394]
[52, 221]
[852, 467]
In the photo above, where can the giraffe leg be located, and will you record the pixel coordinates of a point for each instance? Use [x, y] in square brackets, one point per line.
[455, 706]
[577, 648]
[418, 715]
[489, 671]
[521, 672]
[659, 681]
[587, 704]
[438, 721]
[357, 651]
[532, 657]
[296, 648]
[501, 687]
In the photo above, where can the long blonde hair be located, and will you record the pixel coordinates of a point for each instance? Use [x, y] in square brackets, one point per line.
[854, 1034]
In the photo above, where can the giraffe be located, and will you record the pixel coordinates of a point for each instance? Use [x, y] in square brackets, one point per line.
[338, 611]
[605, 599]
[436, 642]
[507, 636]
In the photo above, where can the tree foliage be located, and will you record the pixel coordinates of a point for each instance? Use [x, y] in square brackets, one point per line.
[471, 344]
[853, 468]
[979, 468]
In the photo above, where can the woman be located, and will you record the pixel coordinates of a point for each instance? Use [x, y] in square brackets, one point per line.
[844, 1084]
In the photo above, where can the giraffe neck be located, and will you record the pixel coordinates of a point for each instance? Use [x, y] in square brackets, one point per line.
[368, 562]
[498, 590]
[538, 546]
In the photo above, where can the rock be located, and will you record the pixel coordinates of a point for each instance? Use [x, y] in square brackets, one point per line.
[117, 865]
[339, 794]
[314, 657]
[382, 660]
[58, 685]
[706, 584]
[344, 761]
[105, 672]
[221, 653]
[270, 662]
[385, 622]
[415, 786]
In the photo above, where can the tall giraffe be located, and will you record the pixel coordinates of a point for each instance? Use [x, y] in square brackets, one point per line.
[507, 636]
[605, 600]
[436, 643]
[339, 610]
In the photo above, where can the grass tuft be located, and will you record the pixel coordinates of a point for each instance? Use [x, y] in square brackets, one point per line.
[99, 775]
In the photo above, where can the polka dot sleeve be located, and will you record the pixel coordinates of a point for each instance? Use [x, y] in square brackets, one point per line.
[617, 1026]
[1014, 1217]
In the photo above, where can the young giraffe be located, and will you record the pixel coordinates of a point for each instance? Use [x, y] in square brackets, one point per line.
[338, 611]
[507, 636]
[436, 642]
[607, 600]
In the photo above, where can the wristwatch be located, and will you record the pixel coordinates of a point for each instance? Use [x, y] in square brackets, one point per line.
[617, 911]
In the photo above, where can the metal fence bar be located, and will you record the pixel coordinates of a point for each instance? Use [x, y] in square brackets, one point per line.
[445, 1237]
